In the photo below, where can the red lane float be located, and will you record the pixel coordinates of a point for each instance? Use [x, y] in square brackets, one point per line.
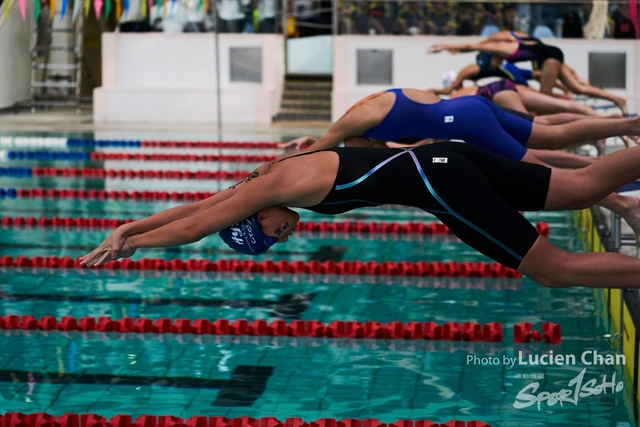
[372, 268]
[64, 193]
[168, 157]
[41, 419]
[523, 332]
[450, 331]
[210, 144]
[323, 226]
[139, 174]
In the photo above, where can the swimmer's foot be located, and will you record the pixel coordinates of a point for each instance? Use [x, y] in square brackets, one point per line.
[631, 215]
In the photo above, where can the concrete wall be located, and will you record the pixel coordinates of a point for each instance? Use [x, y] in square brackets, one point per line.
[413, 67]
[171, 78]
[15, 61]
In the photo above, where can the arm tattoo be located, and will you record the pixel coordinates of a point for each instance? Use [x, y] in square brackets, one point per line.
[252, 175]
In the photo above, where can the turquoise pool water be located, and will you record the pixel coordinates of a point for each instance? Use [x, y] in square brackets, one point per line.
[310, 378]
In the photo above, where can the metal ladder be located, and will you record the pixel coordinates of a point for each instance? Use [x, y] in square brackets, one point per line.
[56, 60]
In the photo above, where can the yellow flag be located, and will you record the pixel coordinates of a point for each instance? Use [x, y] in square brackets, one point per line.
[205, 3]
[7, 8]
[143, 8]
[52, 10]
[118, 9]
[87, 7]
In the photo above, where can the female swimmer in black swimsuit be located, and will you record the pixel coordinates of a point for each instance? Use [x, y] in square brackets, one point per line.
[476, 194]
[516, 47]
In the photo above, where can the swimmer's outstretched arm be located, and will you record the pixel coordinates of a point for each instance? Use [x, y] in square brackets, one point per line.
[190, 222]
[299, 143]
[455, 48]
[467, 72]
[354, 123]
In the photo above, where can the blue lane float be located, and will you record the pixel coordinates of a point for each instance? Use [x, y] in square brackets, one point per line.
[48, 155]
[16, 172]
[90, 143]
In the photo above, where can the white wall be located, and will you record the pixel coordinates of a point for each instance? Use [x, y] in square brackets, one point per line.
[171, 78]
[413, 67]
[310, 55]
[15, 61]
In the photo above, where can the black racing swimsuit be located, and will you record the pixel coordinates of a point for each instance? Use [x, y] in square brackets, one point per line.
[475, 193]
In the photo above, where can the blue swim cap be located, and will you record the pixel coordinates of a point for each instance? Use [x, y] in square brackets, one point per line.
[247, 237]
[483, 59]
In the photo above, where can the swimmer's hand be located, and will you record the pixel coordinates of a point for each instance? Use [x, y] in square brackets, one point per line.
[298, 143]
[441, 47]
[115, 246]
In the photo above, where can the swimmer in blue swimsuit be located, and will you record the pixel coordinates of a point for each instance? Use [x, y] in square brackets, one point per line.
[517, 47]
[411, 113]
[476, 194]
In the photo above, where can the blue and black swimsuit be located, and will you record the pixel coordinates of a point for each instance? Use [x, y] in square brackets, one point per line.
[476, 194]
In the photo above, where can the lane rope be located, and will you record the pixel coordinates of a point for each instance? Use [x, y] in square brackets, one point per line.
[371, 268]
[41, 419]
[449, 331]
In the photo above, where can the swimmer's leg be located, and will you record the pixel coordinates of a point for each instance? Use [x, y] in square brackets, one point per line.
[553, 267]
[550, 72]
[509, 99]
[582, 188]
[540, 103]
[574, 85]
[560, 136]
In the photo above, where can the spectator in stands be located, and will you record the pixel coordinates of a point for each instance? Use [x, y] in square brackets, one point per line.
[411, 19]
[620, 23]
[305, 17]
[585, 12]
[465, 19]
[231, 16]
[509, 17]
[489, 18]
[267, 16]
[440, 19]
[572, 26]
[365, 19]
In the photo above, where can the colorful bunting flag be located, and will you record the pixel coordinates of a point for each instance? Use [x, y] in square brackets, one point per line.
[143, 9]
[87, 8]
[36, 10]
[22, 4]
[76, 9]
[118, 10]
[7, 8]
[107, 10]
[97, 7]
[63, 12]
[52, 9]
